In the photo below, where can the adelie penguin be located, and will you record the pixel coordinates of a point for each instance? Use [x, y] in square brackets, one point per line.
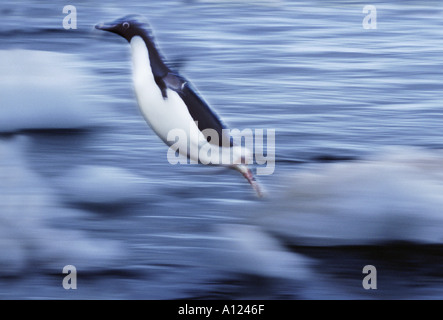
[170, 104]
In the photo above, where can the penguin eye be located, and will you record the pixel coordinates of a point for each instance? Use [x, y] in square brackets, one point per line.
[125, 25]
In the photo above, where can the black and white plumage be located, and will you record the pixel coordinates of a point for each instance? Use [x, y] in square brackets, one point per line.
[168, 101]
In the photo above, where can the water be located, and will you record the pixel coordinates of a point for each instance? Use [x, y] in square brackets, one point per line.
[358, 177]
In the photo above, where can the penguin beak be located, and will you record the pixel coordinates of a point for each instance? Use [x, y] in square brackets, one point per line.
[106, 26]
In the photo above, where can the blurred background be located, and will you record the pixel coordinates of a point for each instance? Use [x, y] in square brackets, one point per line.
[358, 179]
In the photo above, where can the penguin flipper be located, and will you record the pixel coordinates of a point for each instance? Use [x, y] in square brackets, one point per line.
[170, 81]
[162, 86]
[174, 82]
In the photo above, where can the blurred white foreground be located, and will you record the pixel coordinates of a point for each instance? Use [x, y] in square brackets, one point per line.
[394, 197]
[28, 207]
[44, 90]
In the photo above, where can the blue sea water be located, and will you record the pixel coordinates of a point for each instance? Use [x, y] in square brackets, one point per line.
[358, 178]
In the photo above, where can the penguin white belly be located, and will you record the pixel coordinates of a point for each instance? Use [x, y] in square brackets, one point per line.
[163, 115]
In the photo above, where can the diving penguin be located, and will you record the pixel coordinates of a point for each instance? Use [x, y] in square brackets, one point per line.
[168, 102]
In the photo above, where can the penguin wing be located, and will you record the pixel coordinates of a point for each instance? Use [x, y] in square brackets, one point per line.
[171, 81]
[197, 107]
[205, 117]
[174, 82]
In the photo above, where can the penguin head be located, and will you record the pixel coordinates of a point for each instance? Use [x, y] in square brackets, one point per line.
[128, 27]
